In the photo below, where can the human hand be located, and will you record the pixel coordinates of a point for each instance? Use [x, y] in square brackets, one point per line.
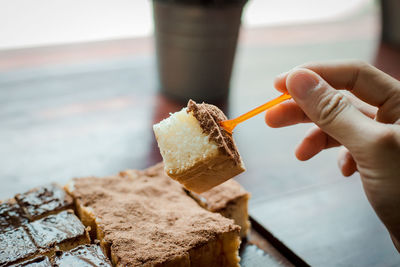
[366, 122]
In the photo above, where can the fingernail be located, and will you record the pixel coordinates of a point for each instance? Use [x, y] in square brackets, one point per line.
[341, 163]
[300, 83]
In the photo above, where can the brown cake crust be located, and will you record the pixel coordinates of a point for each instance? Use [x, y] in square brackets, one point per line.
[147, 218]
[209, 117]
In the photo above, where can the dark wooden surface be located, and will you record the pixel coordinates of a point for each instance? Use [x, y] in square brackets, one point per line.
[87, 109]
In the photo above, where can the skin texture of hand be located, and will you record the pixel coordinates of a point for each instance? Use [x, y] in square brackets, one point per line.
[365, 120]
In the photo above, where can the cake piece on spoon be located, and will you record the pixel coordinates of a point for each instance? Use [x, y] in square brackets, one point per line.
[197, 151]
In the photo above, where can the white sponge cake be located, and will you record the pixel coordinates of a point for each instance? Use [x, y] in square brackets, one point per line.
[197, 152]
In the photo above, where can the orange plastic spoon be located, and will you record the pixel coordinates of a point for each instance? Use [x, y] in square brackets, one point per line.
[229, 125]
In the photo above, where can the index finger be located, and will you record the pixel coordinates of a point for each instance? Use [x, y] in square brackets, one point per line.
[289, 113]
[361, 79]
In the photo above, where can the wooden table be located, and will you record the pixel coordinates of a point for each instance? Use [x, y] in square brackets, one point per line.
[87, 109]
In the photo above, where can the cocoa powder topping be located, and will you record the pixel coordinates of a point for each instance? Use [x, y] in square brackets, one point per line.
[147, 217]
[209, 117]
[220, 196]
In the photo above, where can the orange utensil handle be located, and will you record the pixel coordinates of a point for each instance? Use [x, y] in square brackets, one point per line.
[229, 125]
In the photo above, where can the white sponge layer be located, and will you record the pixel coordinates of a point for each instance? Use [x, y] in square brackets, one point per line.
[182, 142]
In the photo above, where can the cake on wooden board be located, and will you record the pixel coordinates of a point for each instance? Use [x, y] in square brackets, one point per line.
[196, 150]
[143, 218]
[139, 217]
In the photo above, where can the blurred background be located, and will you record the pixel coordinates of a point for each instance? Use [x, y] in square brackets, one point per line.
[80, 91]
[24, 23]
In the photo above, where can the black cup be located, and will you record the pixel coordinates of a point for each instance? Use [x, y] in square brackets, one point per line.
[390, 15]
[195, 47]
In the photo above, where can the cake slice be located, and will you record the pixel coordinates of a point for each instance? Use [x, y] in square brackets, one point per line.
[147, 219]
[83, 256]
[16, 246]
[61, 231]
[196, 151]
[229, 199]
[45, 200]
[11, 216]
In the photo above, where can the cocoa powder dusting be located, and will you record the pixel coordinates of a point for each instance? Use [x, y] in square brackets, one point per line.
[147, 217]
[209, 117]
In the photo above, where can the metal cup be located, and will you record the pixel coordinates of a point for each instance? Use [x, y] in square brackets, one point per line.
[195, 46]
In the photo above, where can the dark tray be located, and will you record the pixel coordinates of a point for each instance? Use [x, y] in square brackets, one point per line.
[261, 248]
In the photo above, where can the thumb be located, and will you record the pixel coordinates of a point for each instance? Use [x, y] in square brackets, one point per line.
[329, 109]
